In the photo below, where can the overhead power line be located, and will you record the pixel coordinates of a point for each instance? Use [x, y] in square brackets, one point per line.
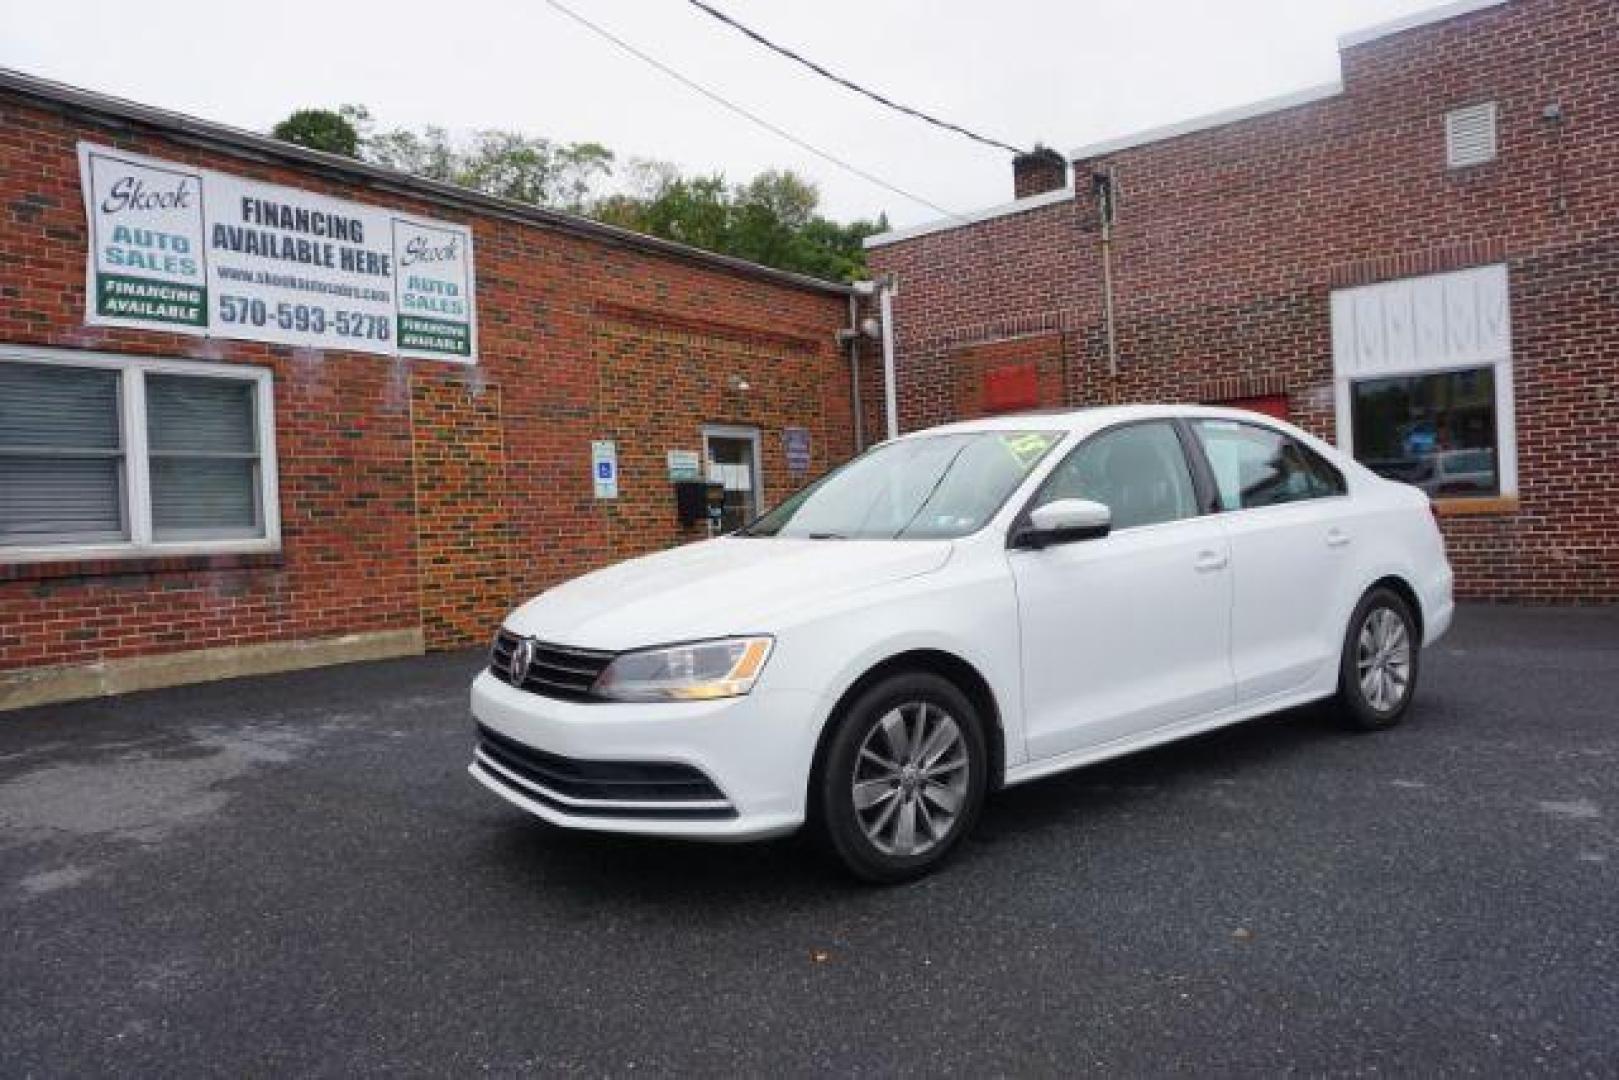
[849, 83]
[747, 114]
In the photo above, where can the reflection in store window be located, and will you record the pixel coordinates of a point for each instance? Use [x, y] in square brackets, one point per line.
[1437, 432]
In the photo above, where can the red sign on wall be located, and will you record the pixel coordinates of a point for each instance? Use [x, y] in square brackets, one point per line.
[1016, 386]
[1269, 404]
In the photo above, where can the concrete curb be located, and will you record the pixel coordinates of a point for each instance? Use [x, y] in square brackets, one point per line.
[49, 685]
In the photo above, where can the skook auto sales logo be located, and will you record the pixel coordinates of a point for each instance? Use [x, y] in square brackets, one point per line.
[129, 193]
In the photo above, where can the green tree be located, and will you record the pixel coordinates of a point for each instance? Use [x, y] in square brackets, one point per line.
[695, 211]
[336, 131]
[428, 153]
[772, 219]
[507, 164]
[533, 170]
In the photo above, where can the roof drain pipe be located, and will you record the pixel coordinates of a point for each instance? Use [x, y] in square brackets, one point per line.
[882, 327]
[885, 303]
[851, 336]
[1102, 189]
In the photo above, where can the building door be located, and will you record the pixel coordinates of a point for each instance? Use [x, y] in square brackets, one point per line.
[733, 460]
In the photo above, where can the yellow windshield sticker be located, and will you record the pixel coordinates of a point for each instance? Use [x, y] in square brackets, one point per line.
[1027, 447]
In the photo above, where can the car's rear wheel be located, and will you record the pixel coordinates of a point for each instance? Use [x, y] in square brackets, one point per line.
[1377, 677]
[902, 778]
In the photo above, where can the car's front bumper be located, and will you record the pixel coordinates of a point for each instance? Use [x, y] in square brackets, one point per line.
[755, 750]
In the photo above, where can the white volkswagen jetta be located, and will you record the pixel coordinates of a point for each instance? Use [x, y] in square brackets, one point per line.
[958, 610]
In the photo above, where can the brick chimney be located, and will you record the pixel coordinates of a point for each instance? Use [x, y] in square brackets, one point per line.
[1038, 171]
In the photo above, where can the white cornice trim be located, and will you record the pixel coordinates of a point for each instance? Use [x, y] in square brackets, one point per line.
[1414, 20]
[1209, 120]
[1018, 206]
[1286, 101]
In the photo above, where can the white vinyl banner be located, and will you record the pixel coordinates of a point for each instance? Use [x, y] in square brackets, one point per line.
[203, 252]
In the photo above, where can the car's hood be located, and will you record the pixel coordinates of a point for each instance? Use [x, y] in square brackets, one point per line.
[715, 588]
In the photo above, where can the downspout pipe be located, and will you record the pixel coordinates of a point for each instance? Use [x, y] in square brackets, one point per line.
[885, 302]
[852, 336]
[1102, 189]
[883, 291]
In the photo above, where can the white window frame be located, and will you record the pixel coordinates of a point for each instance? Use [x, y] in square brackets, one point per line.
[1499, 363]
[750, 434]
[137, 475]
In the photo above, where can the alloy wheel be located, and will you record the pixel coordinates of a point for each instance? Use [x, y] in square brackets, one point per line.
[1383, 659]
[910, 779]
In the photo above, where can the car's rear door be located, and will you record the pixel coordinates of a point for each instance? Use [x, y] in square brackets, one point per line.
[1129, 632]
[1286, 513]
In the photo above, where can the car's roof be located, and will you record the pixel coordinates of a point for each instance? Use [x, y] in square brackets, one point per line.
[1090, 419]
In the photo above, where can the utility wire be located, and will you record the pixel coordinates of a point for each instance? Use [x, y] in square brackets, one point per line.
[746, 114]
[850, 84]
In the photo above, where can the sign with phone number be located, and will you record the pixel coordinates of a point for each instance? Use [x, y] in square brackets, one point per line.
[195, 251]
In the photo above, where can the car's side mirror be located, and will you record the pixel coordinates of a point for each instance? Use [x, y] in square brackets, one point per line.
[1063, 520]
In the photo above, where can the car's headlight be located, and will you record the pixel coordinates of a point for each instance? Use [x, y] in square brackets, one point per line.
[697, 671]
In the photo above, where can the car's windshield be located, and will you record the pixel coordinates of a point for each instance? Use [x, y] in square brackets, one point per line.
[936, 487]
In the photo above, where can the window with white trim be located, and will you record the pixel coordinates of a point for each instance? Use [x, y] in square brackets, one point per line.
[102, 456]
[1423, 371]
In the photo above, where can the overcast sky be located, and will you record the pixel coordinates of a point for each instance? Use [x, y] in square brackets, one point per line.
[1062, 73]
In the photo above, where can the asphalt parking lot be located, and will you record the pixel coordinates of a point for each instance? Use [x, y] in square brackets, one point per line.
[295, 875]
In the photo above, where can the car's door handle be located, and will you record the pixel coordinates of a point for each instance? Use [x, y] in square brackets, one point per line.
[1337, 537]
[1210, 560]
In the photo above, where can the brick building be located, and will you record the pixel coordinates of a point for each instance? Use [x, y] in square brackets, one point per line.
[177, 505]
[1420, 261]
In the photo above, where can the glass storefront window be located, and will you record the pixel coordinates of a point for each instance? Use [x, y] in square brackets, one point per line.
[1435, 431]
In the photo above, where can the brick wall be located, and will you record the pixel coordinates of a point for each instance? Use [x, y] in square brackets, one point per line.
[1037, 360]
[417, 493]
[1229, 241]
[462, 508]
[663, 380]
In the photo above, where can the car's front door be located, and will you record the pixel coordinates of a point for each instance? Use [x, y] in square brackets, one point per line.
[1128, 632]
[1291, 551]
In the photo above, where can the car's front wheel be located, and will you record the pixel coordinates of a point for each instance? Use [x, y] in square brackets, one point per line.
[903, 777]
[1382, 652]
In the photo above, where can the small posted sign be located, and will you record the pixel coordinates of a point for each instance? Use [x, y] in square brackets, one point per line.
[796, 443]
[685, 465]
[604, 468]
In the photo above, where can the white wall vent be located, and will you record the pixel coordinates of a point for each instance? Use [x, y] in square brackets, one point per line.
[1470, 135]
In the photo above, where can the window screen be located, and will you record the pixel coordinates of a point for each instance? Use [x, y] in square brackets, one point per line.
[202, 445]
[61, 455]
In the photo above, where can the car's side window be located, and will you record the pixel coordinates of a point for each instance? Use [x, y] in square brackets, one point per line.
[1332, 480]
[1259, 466]
[1138, 471]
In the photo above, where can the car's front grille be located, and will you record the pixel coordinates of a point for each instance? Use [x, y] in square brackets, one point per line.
[601, 788]
[557, 671]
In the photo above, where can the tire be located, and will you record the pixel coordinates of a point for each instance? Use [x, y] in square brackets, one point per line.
[1377, 675]
[939, 803]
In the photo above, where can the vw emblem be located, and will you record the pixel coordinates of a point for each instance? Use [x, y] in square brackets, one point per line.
[522, 660]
